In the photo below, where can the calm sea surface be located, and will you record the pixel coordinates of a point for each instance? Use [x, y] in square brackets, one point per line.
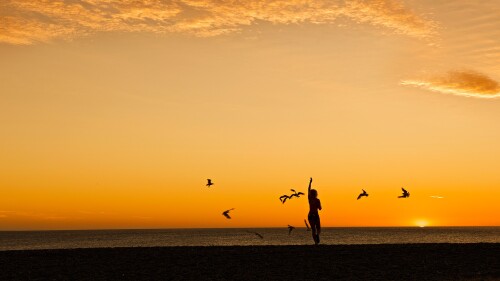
[20, 240]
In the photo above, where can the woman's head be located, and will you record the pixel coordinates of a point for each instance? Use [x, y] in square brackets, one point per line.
[314, 193]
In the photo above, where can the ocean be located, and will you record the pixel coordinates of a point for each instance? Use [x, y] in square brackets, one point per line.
[23, 240]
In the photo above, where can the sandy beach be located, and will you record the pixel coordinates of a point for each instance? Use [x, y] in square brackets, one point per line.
[332, 262]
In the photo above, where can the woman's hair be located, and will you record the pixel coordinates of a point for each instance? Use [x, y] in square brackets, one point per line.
[314, 193]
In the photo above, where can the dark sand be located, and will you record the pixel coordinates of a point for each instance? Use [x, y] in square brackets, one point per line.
[335, 262]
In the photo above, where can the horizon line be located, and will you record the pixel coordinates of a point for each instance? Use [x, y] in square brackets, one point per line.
[272, 227]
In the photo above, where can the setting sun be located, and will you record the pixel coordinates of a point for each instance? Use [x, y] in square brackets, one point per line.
[422, 223]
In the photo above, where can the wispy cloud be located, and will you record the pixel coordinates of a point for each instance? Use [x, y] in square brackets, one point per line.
[56, 218]
[91, 213]
[393, 15]
[4, 214]
[462, 83]
[28, 22]
[42, 216]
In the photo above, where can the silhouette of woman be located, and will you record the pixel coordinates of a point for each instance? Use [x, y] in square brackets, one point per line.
[313, 217]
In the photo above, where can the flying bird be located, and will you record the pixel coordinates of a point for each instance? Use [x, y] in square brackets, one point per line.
[283, 198]
[307, 226]
[295, 193]
[209, 182]
[290, 228]
[405, 194]
[226, 213]
[362, 194]
[256, 233]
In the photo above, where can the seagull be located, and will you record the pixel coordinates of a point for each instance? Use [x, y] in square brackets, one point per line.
[290, 228]
[283, 198]
[295, 193]
[308, 228]
[406, 194]
[226, 213]
[256, 233]
[362, 194]
[209, 182]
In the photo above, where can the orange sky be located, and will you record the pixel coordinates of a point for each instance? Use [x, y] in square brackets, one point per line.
[114, 113]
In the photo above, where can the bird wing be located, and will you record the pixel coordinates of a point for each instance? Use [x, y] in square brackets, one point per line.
[404, 190]
[363, 191]
[226, 213]
[287, 197]
[300, 193]
[359, 196]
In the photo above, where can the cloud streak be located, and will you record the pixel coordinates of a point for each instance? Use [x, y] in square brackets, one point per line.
[462, 83]
[27, 22]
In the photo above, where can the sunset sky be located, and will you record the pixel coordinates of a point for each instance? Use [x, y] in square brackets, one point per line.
[114, 113]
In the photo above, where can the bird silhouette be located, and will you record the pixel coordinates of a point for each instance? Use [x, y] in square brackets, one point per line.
[405, 194]
[209, 182]
[283, 198]
[307, 226]
[226, 213]
[290, 228]
[362, 194]
[256, 233]
[295, 193]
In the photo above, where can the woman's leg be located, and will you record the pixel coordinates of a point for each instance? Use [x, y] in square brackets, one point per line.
[318, 230]
[313, 224]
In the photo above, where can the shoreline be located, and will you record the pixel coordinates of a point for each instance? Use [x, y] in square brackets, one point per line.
[420, 261]
[248, 246]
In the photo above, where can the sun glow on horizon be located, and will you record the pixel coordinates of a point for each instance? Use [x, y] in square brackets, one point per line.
[422, 223]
